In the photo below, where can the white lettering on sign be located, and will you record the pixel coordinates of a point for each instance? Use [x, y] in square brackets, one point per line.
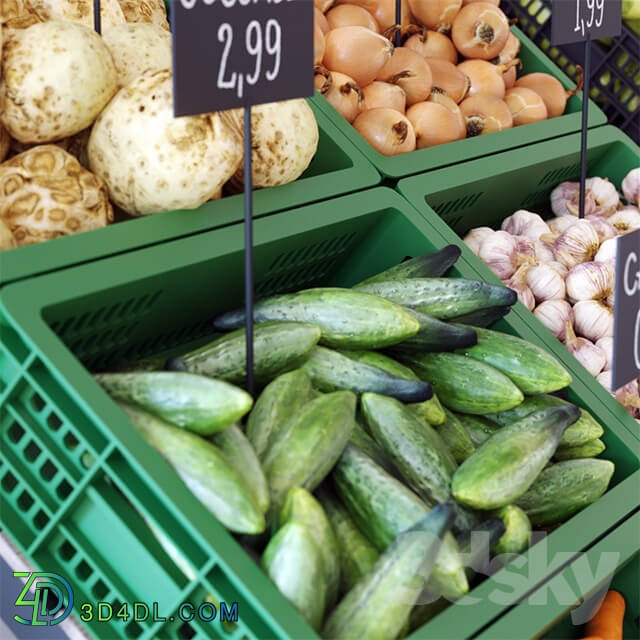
[229, 4]
[594, 8]
[629, 289]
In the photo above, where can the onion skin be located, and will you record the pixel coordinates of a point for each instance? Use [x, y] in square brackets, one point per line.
[486, 78]
[449, 78]
[510, 76]
[357, 52]
[380, 95]
[431, 44]
[344, 94]
[436, 122]
[318, 45]
[410, 71]
[320, 19]
[384, 11]
[553, 94]
[323, 5]
[387, 131]
[351, 15]
[436, 14]
[510, 50]
[526, 106]
[480, 30]
[466, 2]
[485, 114]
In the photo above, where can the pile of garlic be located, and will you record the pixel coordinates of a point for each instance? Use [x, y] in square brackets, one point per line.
[563, 269]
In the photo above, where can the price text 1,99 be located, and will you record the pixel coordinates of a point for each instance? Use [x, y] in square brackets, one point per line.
[594, 10]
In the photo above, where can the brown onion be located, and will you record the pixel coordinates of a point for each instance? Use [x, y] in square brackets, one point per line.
[357, 52]
[510, 76]
[318, 44]
[510, 50]
[351, 15]
[384, 95]
[526, 106]
[409, 70]
[496, 2]
[431, 44]
[435, 14]
[342, 92]
[320, 20]
[480, 30]
[553, 94]
[386, 130]
[323, 5]
[485, 114]
[449, 78]
[437, 121]
[384, 11]
[485, 77]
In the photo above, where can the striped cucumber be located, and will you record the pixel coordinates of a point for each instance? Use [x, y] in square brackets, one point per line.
[429, 265]
[584, 430]
[588, 450]
[361, 439]
[307, 448]
[349, 319]
[330, 370]
[456, 438]
[508, 463]
[564, 489]
[479, 429]
[517, 531]
[281, 399]
[300, 506]
[357, 555]
[465, 385]
[382, 507]
[530, 367]
[294, 563]
[204, 469]
[277, 347]
[239, 453]
[137, 366]
[442, 298]
[482, 318]
[185, 400]
[378, 607]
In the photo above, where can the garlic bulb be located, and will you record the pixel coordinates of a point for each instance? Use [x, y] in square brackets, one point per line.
[501, 252]
[579, 243]
[604, 194]
[525, 223]
[554, 314]
[607, 252]
[590, 281]
[593, 320]
[631, 187]
[544, 253]
[606, 344]
[476, 237]
[518, 282]
[546, 283]
[561, 224]
[559, 267]
[628, 396]
[626, 220]
[565, 200]
[603, 227]
[590, 357]
[525, 250]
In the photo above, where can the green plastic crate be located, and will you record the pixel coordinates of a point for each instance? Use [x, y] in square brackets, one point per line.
[80, 522]
[455, 152]
[338, 168]
[559, 609]
[484, 192]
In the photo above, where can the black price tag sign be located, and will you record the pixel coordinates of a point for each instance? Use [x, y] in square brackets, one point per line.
[576, 20]
[626, 345]
[233, 53]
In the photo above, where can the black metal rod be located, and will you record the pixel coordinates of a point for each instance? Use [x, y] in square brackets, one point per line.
[97, 18]
[398, 38]
[248, 247]
[585, 122]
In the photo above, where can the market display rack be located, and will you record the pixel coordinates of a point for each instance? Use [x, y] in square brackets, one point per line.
[485, 192]
[77, 482]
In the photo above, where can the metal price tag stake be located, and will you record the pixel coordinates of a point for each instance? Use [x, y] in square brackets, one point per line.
[582, 21]
[398, 38]
[97, 18]
[235, 54]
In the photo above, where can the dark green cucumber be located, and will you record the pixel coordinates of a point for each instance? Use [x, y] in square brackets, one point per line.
[588, 450]
[330, 370]
[564, 489]
[241, 456]
[479, 429]
[456, 438]
[281, 399]
[531, 368]
[429, 265]
[475, 546]
[300, 506]
[584, 430]
[378, 607]
[185, 400]
[357, 555]
[348, 319]
[517, 534]
[309, 445]
[136, 366]
[442, 298]
[382, 507]
[482, 318]
[361, 439]
[277, 347]
[294, 563]
[204, 469]
[465, 385]
[508, 463]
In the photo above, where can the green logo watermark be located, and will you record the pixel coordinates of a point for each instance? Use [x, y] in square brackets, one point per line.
[44, 585]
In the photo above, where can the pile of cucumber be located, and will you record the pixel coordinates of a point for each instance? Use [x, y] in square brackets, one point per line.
[390, 425]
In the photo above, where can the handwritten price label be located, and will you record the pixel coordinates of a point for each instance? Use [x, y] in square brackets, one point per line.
[575, 20]
[233, 53]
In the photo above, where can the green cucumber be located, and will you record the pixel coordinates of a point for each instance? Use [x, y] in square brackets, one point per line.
[348, 319]
[294, 563]
[277, 347]
[442, 298]
[564, 489]
[281, 399]
[431, 411]
[517, 534]
[204, 469]
[508, 463]
[330, 370]
[382, 507]
[456, 438]
[309, 445]
[465, 385]
[356, 554]
[137, 366]
[429, 265]
[185, 400]
[588, 450]
[530, 367]
[479, 429]
[300, 506]
[241, 456]
[584, 430]
[482, 318]
[361, 439]
[378, 607]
